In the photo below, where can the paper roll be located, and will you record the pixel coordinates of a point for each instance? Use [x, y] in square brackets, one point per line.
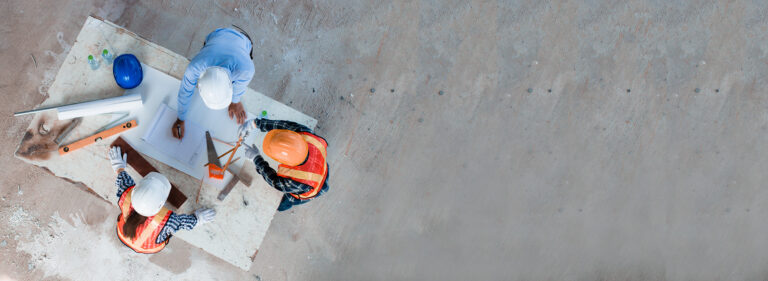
[116, 104]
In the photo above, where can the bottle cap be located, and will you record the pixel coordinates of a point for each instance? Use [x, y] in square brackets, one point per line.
[105, 52]
[90, 57]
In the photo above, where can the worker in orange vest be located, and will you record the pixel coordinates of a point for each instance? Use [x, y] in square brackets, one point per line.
[303, 170]
[144, 224]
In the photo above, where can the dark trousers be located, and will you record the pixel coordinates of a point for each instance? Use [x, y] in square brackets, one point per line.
[289, 201]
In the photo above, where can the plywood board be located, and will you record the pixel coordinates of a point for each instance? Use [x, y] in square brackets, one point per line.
[242, 218]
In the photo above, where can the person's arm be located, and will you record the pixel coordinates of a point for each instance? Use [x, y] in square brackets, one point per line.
[266, 125]
[175, 223]
[282, 184]
[240, 83]
[123, 182]
[195, 68]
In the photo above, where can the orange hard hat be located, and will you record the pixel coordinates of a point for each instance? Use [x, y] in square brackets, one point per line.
[286, 147]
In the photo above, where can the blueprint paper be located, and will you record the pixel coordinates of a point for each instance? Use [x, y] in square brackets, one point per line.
[159, 135]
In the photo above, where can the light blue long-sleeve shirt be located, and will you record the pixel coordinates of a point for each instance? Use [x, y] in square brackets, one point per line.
[225, 48]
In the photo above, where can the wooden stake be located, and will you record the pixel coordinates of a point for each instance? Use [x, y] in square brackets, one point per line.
[221, 141]
[233, 160]
[197, 199]
[234, 150]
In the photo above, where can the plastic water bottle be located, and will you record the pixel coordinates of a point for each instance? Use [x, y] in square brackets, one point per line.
[93, 62]
[107, 56]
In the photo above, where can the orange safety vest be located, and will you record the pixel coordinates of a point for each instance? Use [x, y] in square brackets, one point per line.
[146, 233]
[313, 171]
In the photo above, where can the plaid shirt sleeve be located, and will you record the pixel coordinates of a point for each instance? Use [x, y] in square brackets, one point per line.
[282, 184]
[266, 125]
[175, 223]
[123, 182]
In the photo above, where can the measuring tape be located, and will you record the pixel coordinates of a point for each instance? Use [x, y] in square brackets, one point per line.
[97, 137]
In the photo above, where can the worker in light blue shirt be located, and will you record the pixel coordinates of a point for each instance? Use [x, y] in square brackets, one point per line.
[221, 71]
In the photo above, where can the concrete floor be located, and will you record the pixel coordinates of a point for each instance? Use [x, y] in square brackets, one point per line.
[604, 140]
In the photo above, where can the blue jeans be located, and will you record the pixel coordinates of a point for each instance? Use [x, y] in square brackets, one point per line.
[289, 201]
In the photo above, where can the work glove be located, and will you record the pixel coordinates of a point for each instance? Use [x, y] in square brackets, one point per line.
[250, 151]
[244, 130]
[205, 215]
[115, 158]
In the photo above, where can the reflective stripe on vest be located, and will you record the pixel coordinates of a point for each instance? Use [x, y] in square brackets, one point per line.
[313, 171]
[146, 233]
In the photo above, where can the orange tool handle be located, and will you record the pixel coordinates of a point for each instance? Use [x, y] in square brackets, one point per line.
[234, 149]
[225, 153]
[215, 172]
[97, 137]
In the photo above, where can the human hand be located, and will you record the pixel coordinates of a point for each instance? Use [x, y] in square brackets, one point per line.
[250, 151]
[116, 159]
[244, 130]
[205, 215]
[237, 112]
[178, 129]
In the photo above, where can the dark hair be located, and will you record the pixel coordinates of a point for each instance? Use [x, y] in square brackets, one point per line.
[131, 223]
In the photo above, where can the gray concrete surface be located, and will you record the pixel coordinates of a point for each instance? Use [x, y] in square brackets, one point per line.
[624, 171]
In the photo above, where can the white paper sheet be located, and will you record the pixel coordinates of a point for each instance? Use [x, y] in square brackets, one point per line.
[122, 103]
[160, 136]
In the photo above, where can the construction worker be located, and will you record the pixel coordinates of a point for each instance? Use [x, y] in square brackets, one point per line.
[221, 71]
[144, 224]
[303, 170]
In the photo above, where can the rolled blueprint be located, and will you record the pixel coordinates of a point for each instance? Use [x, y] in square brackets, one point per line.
[116, 104]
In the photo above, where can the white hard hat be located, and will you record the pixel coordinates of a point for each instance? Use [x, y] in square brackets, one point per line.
[215, 87]
[149, 196]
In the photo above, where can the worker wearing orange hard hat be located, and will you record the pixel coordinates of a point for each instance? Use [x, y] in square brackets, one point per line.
[303, 170]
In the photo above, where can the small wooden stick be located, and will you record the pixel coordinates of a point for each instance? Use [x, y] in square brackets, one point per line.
[233, 160]
[225, 153]
[197, 199]
[228, 151]
[221, 141]
[237, 145]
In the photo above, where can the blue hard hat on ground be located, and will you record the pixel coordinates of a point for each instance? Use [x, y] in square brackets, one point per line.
[127, 71]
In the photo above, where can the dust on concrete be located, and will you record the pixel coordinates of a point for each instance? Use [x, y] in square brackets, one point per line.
[20, 217]
[58, 250]
[57, 58]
